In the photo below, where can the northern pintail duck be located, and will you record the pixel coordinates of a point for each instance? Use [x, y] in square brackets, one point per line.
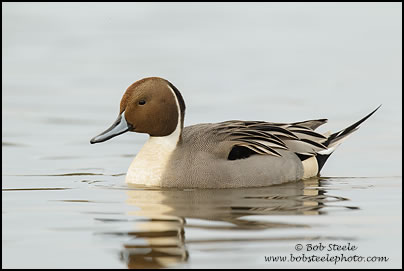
[216, 155]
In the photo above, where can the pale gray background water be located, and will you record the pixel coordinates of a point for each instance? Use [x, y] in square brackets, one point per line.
[66, 66]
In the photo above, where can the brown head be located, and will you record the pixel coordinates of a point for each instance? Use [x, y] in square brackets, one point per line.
[151, 105]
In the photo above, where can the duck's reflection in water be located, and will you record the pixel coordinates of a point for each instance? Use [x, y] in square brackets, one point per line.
[159, 240]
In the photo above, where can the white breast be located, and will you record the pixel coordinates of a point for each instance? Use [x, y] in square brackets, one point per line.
[149, 164]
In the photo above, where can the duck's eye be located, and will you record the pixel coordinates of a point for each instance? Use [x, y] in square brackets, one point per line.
[142, 102]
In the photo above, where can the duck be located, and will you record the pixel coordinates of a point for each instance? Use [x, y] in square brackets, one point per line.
[228, 154]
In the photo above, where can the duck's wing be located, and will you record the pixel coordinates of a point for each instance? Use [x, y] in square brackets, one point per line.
[236, 139]
[266, 138]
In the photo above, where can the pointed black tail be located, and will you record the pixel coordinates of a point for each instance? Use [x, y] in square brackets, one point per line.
[335, 139]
